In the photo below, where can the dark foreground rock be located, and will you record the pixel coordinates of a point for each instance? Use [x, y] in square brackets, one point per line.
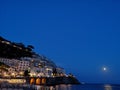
[62, 80]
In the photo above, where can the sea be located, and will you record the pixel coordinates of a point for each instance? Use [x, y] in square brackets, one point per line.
[63, 87]
[81, 87]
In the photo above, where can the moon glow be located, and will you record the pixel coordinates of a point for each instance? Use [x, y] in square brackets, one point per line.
[104, 68]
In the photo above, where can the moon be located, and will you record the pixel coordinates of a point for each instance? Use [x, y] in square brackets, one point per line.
[104, 68]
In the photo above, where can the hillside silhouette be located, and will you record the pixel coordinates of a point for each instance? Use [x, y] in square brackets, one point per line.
[10, 49]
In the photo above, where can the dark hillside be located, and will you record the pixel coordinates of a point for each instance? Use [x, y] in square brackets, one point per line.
[10, 49]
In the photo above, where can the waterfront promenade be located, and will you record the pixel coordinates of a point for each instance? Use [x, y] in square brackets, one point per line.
[35, 83]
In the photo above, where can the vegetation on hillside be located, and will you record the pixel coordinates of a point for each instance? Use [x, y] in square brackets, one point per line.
[10, 49]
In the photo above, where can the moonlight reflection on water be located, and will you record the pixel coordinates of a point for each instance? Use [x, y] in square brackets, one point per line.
[108, 87]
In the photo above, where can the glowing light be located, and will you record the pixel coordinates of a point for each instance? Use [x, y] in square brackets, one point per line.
[108, 87]
[104, 69]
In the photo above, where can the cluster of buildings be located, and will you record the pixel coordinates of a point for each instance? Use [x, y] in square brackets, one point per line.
[38, 66]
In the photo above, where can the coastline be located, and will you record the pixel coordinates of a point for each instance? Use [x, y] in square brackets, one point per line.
[26, 67]
[44, 83]
[47, 81]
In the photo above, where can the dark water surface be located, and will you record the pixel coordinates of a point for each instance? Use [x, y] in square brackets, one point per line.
[81, 87]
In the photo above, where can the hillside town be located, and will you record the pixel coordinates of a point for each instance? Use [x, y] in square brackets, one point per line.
[21, 66]
[15, 64]
[36, 66]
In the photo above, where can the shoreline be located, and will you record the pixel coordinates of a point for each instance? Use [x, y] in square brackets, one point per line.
[47, 81]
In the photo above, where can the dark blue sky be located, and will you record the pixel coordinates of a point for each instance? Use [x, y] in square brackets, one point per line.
[80, 35]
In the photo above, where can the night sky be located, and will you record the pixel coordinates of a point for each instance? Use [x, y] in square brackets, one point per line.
[82, 36]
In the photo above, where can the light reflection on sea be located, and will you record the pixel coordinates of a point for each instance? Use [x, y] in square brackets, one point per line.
[63, 87]
[57, 87]
[80, 87]
[108, 87]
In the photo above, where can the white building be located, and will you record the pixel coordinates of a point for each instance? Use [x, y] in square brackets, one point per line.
[37, 66]
[9, 62]
[23, 65]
